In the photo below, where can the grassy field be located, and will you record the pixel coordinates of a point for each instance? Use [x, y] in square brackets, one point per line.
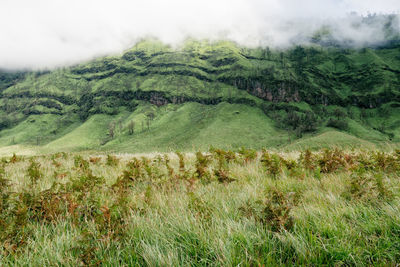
[219, 208]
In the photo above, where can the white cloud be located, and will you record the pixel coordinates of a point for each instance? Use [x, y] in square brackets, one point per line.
[48, 33]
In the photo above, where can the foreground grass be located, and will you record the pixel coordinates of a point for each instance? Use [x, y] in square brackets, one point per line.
[216, 208]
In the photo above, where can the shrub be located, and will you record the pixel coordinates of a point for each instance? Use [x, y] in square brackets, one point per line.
[368, 187]
[276, 212]
[201, 165]
[3, 181]
[248, 155]
[273, 211]
[86, 182]
[34, 172]
[331, 160]
[181, 158]
[272, 163]
[15, 158]
[112, 160]
[338, 124]
[307, 159]
[301, 122]
[94, 160]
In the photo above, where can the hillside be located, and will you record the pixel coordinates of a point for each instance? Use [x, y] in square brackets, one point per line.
[156, 97]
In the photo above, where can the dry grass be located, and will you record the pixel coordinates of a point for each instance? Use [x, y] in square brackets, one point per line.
[218, 208]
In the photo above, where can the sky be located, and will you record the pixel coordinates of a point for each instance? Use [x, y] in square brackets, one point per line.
[52, 33]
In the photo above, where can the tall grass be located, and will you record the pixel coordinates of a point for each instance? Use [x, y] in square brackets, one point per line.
[217, 208]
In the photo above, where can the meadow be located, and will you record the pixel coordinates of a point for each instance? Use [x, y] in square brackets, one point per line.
[217, 208]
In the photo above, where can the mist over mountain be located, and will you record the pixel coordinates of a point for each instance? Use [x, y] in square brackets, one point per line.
[199, 133]
[47, 34]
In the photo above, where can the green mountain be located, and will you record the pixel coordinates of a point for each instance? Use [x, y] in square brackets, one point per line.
[155, 97]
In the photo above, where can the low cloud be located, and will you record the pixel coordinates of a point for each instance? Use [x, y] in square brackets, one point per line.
[51, 33]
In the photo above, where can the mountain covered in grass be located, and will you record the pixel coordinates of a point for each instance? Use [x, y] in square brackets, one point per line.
[201, 94]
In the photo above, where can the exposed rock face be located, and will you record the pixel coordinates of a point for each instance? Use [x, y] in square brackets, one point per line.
[281, 94]
[158, 99]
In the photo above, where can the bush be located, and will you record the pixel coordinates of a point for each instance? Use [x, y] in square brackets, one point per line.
[34, 172]
[5, 122]
[302, 123]
[274, 211]
[338, 124]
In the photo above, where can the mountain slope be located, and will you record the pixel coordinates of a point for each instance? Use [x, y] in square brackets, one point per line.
[203, 94]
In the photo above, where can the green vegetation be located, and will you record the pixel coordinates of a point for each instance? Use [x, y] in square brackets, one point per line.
[220, 208]
[236, 205]
[154, 97]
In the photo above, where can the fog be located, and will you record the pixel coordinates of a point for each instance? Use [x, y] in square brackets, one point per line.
[51, 33]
